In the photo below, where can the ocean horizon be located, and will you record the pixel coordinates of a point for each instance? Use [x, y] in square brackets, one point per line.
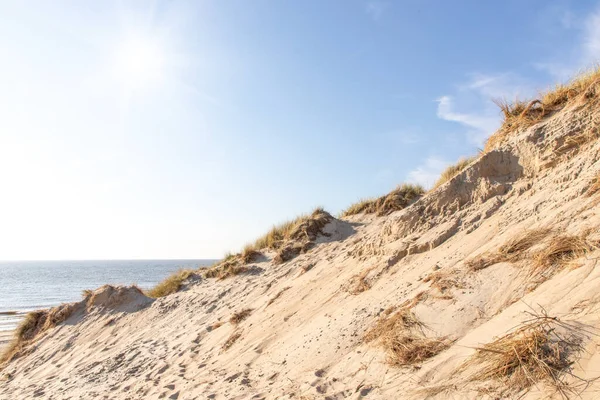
[33, 285]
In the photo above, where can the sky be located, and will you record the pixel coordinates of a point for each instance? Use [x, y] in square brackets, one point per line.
[186, 129]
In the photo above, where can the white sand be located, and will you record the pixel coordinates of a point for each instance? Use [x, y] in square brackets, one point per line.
[308, 343]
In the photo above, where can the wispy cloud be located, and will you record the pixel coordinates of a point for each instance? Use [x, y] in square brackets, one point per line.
[376, 8]
[472, 104]
[427, 173]
[480, 125]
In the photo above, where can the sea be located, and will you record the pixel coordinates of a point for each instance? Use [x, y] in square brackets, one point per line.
[31, 285]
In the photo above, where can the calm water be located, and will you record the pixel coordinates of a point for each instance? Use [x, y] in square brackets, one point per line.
[30, 285]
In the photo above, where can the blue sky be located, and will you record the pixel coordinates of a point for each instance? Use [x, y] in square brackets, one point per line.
[186, 129]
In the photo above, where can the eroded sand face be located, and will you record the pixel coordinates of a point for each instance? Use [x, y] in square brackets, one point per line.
[304, 336]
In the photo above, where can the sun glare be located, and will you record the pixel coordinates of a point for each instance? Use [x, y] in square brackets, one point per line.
[139, 63]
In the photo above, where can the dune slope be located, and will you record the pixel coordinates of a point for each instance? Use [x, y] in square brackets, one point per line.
[406, 305]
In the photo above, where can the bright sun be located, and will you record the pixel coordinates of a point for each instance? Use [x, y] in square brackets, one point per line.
[139, 63]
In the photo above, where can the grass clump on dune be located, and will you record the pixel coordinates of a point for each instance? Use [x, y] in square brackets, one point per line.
[541, 350]
[298, 228]
[34, 324]
[289, 239]
[401, 197]
[402, 336]
[453, 170]
[171, 284]
[231, 340]
[513, 250]
[239, 316]
[561, 251]
[520, 114]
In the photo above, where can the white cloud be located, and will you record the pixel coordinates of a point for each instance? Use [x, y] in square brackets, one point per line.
[375, 8]
[427, 173]
[472, 104]
[480, 123]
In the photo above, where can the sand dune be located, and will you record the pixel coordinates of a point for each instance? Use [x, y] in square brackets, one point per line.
[397, 306]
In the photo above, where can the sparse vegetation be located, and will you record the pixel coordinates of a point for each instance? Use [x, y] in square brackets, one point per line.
[594, 187]
[272, 299]
[34, 324]
[304, 226]
[402, 335]
[231, 340]
[444, 281]
[401, 197]
[225, 269]
[562, 250]
[359, 283]
[250, 255]
[512, 250]
[216, 325]
[288, 239]
[541, 350]
[453, 170]
[170, 285]
[239, 316]
[522, 114]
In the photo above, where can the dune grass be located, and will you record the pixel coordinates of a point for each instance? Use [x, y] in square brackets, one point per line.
[34, 324]
[562, 250]
[594, 187]
[540, 350]
[399, 198]
[231, 340]
[521, 114]
[239, 316]
[359, 283]
[170, 285]
[453, 170]
[289, 239]
[513, 250]
[402, 336]
[289, 230]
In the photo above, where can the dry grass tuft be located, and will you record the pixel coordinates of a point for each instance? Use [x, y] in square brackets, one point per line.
[272, 299]
[289, 239]
[216, 325]
[443, 281]
[520, 115]
[401, 334]
[231, 340]
[226, 269]
[513, 250]
[538, 351]
[171, 284]
[366, 206]
[304, 226]
[250, 255]
[34, 324]
[401, 197]
[562, 250]
[402, 319]
[359, 283]
[239, 316]
[594, 187]
[290, 251]
[453, 170]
